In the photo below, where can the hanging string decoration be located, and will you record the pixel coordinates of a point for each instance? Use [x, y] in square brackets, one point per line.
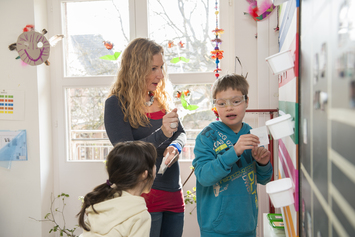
[265, 8]
[217, 54]
[277, 28]
[182, 95]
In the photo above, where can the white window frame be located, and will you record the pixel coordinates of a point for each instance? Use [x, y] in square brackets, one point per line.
[138, 28]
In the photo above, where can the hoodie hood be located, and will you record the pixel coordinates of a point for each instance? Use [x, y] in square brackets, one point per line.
[114, 212]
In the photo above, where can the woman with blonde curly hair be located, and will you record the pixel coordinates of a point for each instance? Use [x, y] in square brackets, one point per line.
[137, 109]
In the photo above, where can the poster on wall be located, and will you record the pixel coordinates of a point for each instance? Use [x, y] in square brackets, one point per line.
[12, 105]
[13, 145]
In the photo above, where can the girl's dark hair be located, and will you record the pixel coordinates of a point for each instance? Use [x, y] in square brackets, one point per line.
[125, 165]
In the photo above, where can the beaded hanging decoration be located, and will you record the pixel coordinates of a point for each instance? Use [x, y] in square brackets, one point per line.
[217, 54]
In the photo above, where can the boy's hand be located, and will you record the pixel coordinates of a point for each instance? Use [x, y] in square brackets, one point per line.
[261, 155]
[245, 142]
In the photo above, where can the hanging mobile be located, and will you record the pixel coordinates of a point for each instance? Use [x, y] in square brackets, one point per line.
[217, 54]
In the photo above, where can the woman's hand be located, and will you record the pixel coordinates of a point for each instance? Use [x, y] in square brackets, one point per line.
[245, 142]
[261, 155]
[170, 123]
[173, 155]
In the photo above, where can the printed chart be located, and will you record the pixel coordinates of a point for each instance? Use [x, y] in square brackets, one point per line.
[12, 105]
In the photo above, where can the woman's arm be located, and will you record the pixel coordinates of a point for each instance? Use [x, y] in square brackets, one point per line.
[118, 130]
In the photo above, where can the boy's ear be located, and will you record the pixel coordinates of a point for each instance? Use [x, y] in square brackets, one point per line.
[247, 103]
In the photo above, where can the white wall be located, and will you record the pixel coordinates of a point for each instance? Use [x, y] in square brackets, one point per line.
[263, 90]
[25, 186]
[191, 227]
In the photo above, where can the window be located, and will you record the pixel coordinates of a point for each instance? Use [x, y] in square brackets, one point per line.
[188, 26]
[87, 25]
[88, 139]
[84, 79]
[195, 120]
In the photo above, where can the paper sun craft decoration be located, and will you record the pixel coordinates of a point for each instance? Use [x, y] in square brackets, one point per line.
[33, 47]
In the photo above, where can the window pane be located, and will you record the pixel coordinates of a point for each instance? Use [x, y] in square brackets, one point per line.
[188, 21]
[194, 121]
[87, 26]
[88, 139]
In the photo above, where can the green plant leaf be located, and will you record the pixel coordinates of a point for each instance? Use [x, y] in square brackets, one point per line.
[111, 57]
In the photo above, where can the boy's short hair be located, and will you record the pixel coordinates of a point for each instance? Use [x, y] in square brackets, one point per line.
[234, 81]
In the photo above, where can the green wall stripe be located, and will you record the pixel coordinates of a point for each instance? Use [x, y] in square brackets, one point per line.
[292, 109]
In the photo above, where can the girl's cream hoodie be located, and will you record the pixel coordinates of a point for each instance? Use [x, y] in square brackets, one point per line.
[121, 216]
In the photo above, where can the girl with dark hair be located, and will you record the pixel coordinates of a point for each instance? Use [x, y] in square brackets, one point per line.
[115, 208]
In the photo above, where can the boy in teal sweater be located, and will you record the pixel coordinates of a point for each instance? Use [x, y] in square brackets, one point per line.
[228, 165]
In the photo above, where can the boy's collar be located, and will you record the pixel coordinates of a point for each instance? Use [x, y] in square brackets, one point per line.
[219, 122]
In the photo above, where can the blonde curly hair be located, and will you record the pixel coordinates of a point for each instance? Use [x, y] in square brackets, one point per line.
[130, 85]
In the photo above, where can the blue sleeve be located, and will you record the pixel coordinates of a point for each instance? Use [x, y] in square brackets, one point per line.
[179, 138]
[209, 167]
[119, 130]
[264, 173]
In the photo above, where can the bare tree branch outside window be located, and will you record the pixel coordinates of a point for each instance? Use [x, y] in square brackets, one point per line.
[188, 21]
